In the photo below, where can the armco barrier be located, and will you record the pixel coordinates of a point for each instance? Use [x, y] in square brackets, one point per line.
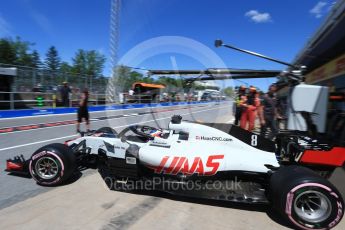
[38, 112]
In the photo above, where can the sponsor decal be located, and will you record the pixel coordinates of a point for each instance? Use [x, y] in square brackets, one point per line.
[111, 148]
[183, 165]
[339, 215]
[43, 112]
[332, 69]
[38, 155]
[203, 138]
[159, 142]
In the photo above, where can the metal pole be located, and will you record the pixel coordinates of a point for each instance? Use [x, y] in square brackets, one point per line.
[113, 89]
[11, 101]
[219, 43]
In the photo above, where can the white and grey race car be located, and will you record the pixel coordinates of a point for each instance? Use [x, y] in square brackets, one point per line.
[212, 161]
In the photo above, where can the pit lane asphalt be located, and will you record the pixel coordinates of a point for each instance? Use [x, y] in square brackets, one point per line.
[15, 189]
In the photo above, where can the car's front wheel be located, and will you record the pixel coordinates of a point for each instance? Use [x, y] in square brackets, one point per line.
[52, 164]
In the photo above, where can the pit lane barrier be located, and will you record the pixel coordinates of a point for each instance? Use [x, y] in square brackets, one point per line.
[50, 111]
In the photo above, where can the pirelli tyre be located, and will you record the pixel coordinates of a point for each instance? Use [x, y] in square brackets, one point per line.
[52, 164]
[305, 199]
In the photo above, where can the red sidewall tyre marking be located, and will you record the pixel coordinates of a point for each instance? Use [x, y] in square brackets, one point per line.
[290, 196]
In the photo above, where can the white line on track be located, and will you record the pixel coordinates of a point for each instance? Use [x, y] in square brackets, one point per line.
[29, 130]
[142, 122]
[37, 142]
[232, 120]
[94, 119]
[131, 115]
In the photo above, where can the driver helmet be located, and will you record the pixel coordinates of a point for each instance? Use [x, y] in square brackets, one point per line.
[156, 133]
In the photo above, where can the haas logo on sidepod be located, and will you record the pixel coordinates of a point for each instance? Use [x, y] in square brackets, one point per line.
[183, 165]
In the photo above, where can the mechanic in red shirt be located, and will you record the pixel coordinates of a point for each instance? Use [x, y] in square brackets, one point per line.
[249, 104]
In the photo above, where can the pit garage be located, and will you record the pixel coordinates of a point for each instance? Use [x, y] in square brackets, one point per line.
[6, 78]
[324, 56]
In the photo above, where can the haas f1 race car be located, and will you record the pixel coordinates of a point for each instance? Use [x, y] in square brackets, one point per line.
[214, 161]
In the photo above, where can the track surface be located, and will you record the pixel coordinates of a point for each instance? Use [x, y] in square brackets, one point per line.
[87, 204]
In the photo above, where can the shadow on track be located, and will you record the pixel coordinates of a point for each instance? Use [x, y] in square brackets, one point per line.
[264, 208]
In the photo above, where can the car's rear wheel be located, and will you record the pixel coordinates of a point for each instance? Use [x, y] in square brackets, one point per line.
[52, 164]
[305, 199]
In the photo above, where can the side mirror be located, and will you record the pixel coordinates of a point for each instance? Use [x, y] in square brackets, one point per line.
[218, 43]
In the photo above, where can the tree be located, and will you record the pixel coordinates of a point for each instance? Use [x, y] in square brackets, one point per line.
[22, 49]
[17, 52]
[52, 61]
[125, 78]
[95, 63]
[7, 52]
[65, 67]
[88, 63]
[36, 60]
[79, 62]
[228, 91]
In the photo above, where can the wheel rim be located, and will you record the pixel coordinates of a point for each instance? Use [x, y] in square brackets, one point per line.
[47, 168]
[312, 206]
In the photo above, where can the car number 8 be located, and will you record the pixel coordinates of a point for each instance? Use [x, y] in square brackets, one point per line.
[254, 141]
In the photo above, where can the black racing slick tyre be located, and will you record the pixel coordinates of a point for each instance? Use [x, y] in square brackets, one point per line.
[52, 164]
[305, 199]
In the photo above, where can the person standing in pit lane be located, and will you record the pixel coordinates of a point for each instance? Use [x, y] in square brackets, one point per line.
[65, 94]
[270, 113]
[238, 109]
[83, 111]
[249, 105]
